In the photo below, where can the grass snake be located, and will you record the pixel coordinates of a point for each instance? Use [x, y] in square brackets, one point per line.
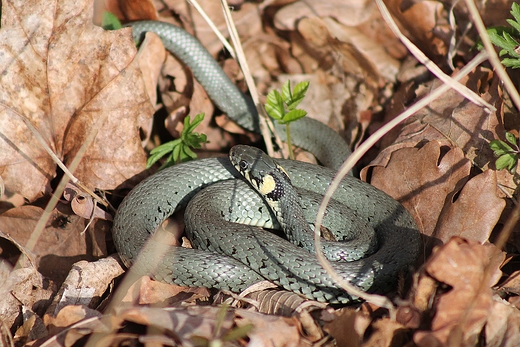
[233, 256]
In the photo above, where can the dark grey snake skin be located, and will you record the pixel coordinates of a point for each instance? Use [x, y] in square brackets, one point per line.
[250, 255]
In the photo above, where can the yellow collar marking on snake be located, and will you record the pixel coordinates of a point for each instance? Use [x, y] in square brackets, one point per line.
[267, 185]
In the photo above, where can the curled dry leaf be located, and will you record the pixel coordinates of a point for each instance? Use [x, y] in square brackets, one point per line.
[151, 57]
[83, 204]
[470, 269]
[63, 74]
[31, 329]
[281, 302]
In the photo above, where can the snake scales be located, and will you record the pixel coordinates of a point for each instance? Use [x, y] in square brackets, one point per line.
[233, 256]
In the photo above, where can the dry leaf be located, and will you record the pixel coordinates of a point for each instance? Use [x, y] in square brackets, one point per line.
[68, 316]
[474, 213]
[452, 121]
[31, 329]
[470, 269]
[347, 326]
[503, 325]
[21, 287]
[425, 23]
[387, 332]
[183, 323]
[63, 74]
[270, 330]
[148, 292]
[61, 244]
[421, 179]
[85, 285]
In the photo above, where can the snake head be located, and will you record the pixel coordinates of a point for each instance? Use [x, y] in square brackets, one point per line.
[261, 171]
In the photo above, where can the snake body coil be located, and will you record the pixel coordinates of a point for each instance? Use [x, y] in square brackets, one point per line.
[251, 255]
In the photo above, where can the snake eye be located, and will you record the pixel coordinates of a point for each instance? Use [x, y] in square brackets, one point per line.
[244, 165]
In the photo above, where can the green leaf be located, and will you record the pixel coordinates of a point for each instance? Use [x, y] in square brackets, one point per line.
[511, 138]
[293, 116]
[514, 24]
[513, 63]
[194, 140]
[508, 161]
[109, 21]
[187, 154]
[286, 92]
[500, 147]
[195, 123]
[176, 153]
[298, 94]
[515, 11]
[512, 44]
[274, 106]
[160, 151]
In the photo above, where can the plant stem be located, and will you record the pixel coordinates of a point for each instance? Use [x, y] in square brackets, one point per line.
[289, 142]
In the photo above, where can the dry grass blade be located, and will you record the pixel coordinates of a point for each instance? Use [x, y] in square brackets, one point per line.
[248, 77]
[213, 27]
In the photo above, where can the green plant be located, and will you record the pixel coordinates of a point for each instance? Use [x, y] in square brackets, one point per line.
[180, 148]
[109, 21]
[507, 38]
[282, 107]
[506, 152]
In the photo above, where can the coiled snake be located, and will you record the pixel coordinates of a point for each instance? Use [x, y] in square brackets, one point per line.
[233, 256]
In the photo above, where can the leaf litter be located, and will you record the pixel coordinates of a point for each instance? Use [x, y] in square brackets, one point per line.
[63, 74]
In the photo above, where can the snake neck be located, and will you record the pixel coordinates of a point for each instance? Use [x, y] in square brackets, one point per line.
[290, 215]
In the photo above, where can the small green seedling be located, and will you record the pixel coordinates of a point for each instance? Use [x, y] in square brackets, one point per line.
[109, 21]
[507, 38]
[180, 148]
[506, 152]
[282, 107]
